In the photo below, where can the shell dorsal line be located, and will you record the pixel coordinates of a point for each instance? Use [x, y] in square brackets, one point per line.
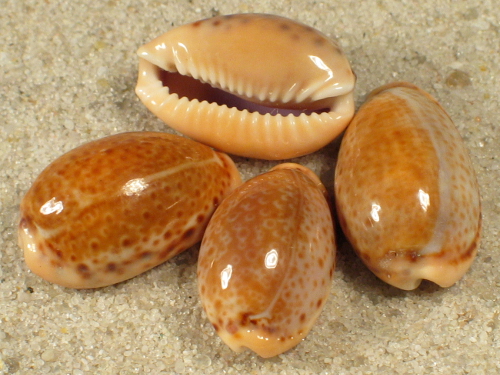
[435, 244]
[128, 188]
[293, 254]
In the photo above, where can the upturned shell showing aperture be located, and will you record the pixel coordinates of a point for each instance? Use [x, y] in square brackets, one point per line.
[406, 192]
[116, 207]
[249, 84]
[266, 261]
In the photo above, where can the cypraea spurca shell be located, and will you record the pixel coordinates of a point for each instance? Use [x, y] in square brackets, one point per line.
[406, 192]
[116, 207]
[254, 85]
[267, 259]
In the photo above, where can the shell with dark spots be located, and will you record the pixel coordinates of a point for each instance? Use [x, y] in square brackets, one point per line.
[116, 207]
[266, 261]
[406, 191]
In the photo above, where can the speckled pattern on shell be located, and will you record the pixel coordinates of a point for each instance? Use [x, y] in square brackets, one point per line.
[116, 207]
[249, 84]
[406, 192]
[266, 261]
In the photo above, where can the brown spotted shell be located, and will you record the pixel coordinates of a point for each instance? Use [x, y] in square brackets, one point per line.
[266, 261]
[254, 85]
[406, 192]
[116, 207]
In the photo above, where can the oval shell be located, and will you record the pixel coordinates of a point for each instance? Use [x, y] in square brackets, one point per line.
[266, 261]
[406, 192]
[254, 85]
[116, 207]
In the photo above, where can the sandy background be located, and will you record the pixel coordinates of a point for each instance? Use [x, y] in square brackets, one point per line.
[67, 74]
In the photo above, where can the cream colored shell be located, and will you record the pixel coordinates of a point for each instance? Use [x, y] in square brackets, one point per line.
[249, 84]
[406, 192]
[116, 207]
[266, 261]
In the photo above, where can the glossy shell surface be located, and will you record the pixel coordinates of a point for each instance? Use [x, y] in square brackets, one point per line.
[254, 85]
[406, 192]
[266, 261]
[116, 207]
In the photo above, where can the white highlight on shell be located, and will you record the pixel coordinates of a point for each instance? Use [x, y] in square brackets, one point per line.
[135, 186]
[225, 276]
[424, 199]
[271, 260]
[52, 206]
[374, 212]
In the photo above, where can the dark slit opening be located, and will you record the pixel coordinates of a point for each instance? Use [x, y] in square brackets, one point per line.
[188, 87]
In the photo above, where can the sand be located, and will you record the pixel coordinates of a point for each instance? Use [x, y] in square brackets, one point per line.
[67, 76]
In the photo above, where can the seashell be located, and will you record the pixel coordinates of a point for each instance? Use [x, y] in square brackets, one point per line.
[406, 192]
[266, 261]
[116, 207]
[253, 85]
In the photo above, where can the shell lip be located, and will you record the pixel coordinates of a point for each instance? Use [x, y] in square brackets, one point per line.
[172, 54]
[308, 98]
[176, 83]
[273, 136]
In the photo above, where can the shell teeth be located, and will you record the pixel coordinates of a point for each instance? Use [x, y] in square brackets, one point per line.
[213, 77]
[221, 79]
[181, 68]
[240, 87]
[198, 73]
[285, 73]
[274, 95]
[263, 94]
[287, 96]
[307, 92]
[228, 81]
[249, 91]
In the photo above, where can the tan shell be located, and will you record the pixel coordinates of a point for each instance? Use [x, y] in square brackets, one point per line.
[266, 261]
[406, 192]
[271, 74]
[116, 207]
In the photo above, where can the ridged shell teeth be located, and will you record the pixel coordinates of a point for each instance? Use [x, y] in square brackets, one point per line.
[297, 70]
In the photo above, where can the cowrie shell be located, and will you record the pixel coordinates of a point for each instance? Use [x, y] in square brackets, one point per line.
[116, 207]
[406, 192]
[254, 85]
[266, 261]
